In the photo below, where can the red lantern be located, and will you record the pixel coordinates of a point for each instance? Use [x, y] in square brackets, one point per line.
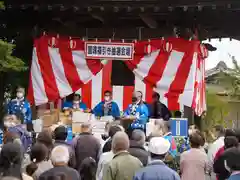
[52, 42]
[167, 47]
[147, 49]
[72, 44]
[203, 51]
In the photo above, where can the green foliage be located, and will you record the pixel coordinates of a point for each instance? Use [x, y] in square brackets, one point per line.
[217, 110]
[231, 80]
[8, 65]
[7, 61]
[2, 5]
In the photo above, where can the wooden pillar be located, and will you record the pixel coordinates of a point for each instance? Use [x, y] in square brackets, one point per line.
[188, 113]
[34, 112]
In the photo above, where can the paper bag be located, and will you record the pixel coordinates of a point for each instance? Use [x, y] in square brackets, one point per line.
[37, 125]
[150, 126]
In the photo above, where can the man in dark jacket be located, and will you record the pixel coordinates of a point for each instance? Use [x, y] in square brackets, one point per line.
[60, 158]
[219, 165]
[137, 146]
[156, 168]
[60, 135]
[158, 109]
[86, 145]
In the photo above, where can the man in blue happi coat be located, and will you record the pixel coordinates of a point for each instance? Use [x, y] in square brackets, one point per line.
[20, 106]
[76, 103]
[107, 107]
[138, 111]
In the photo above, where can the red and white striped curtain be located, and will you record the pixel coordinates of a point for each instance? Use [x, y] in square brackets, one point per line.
[172, 67]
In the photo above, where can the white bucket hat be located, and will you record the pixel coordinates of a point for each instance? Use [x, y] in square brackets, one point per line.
[159, 146]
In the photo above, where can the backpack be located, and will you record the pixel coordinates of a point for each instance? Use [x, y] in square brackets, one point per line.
[24, 135]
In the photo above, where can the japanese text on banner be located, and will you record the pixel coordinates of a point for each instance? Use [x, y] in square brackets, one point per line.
[117, 51]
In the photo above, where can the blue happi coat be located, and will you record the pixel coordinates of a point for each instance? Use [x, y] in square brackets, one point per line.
[20, 107]
[69, 104]
[99, 110]
[141, 112]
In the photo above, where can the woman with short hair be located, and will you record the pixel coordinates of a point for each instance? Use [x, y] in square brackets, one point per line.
[194, 163]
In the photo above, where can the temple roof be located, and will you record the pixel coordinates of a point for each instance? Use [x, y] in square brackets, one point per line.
[123, 18]
[220, 67]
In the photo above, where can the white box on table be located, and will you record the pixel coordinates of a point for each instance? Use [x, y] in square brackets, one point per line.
[81, 117]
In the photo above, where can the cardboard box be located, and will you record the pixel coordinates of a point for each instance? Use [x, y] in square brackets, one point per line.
[76, 128]
[48, 120]
[65, 120]
[50, 117]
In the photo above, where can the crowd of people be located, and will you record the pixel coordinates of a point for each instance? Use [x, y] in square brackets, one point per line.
[120, 157]
[121, 154]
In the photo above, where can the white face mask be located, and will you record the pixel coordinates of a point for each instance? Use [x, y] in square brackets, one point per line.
[20, 95]
[9, 124]
[138, 102]
[190, 131]
[76, 102]
[107, 98]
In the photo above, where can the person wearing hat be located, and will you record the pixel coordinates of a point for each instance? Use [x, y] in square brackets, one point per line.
[20, 106]
[76, 103]
[156, 168]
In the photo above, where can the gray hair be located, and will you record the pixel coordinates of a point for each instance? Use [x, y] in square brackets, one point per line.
[86, 125]
[60, 154]
[120, 142]
[138, 136]
[137, 94]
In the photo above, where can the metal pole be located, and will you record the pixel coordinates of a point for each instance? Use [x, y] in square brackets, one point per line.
[140, 33]
[237, 119]
[86, 32]
[193, 119]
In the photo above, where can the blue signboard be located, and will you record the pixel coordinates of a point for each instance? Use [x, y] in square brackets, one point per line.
[179, 126]
[70, 134]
